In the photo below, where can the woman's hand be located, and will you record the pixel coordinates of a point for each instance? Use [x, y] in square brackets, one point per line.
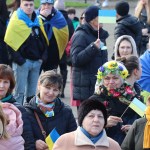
[126, 128]
[41, 145]
[113, 121]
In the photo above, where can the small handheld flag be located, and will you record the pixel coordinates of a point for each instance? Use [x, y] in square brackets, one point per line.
[107, 16]
[51, 138]
[138, 107]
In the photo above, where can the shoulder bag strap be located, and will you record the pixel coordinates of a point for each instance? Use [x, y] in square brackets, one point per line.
[39, 122]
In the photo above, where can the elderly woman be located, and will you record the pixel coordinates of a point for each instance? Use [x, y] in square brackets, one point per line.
[125, 46]
[92, 119]
[47, 111]
[116, 94]
[7, 84]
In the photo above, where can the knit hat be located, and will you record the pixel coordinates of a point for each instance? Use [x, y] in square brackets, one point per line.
[122, 8]
[59, 4]
[91, 13]
[47, 1]
[89, 105]
[113, 67]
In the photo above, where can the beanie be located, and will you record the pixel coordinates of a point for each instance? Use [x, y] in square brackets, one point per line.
[47, 1]
[91, 13]
[59, 4]
[122, 8]
[89, 105]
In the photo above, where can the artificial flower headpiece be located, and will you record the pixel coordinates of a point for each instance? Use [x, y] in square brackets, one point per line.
[112, 67]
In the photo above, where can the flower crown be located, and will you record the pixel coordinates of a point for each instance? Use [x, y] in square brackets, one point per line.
[113, 67]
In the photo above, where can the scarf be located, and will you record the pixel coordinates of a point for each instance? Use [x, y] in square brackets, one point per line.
[6, 99]
[124, 94]
[146, 140]
[26, 19]
[47, 109]
[93, 139]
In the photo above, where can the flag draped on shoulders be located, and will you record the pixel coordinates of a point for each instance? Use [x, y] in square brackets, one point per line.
[19, 28]
[59, 27]
[145, 78]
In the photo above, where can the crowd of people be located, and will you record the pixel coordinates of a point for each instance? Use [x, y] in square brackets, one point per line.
[34, 43]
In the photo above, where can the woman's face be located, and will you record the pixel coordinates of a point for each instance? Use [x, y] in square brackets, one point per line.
[93, 122]
[48, 93]
[4, 87]
[112, 81]
[125, 48]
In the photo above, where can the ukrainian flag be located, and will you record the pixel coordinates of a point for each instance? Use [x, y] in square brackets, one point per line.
[107, 16]
[138, 107]
[51, 138]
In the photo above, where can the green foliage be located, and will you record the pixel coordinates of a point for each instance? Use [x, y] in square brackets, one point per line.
[67, 4]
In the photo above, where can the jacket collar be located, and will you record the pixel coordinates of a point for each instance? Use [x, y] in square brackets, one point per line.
[81, 139]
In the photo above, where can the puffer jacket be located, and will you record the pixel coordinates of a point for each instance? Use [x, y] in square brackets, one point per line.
[27, 129]
[86, 59]
[14, 128]
[129, 25]
[63, 120]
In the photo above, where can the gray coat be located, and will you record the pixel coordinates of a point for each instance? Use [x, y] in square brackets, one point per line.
[134, 137]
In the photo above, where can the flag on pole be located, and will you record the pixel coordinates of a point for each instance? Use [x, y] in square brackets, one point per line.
[51, 138]
[138, 107]
[107, 16]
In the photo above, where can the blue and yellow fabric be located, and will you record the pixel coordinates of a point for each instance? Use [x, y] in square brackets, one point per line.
[19, 29]
[51, 138]
[145, 78]
[59, 27]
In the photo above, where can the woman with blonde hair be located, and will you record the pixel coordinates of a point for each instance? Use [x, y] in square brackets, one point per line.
[142, 11]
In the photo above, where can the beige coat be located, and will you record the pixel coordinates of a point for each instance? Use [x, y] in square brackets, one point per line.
[78, 141]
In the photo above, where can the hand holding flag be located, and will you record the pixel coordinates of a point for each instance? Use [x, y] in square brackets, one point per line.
[51, 138]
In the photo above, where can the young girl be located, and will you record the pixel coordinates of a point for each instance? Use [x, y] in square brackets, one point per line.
[11, 127]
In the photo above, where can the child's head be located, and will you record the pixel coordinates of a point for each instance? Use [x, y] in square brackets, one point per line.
[71, 13]
[3, 123]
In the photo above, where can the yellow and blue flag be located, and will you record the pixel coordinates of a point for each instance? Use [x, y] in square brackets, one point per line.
[51, 138]
[138, 107]
[107, 16]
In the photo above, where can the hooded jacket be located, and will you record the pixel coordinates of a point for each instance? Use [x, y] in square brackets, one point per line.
[116, 49]
[14, 128]
[63, 120]
[129, 25]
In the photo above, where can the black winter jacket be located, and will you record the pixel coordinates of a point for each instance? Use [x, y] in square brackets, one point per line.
[129, 25]
[27, 129]
[34, 47]
[3, 49]
[63, 120]
[86, 59]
